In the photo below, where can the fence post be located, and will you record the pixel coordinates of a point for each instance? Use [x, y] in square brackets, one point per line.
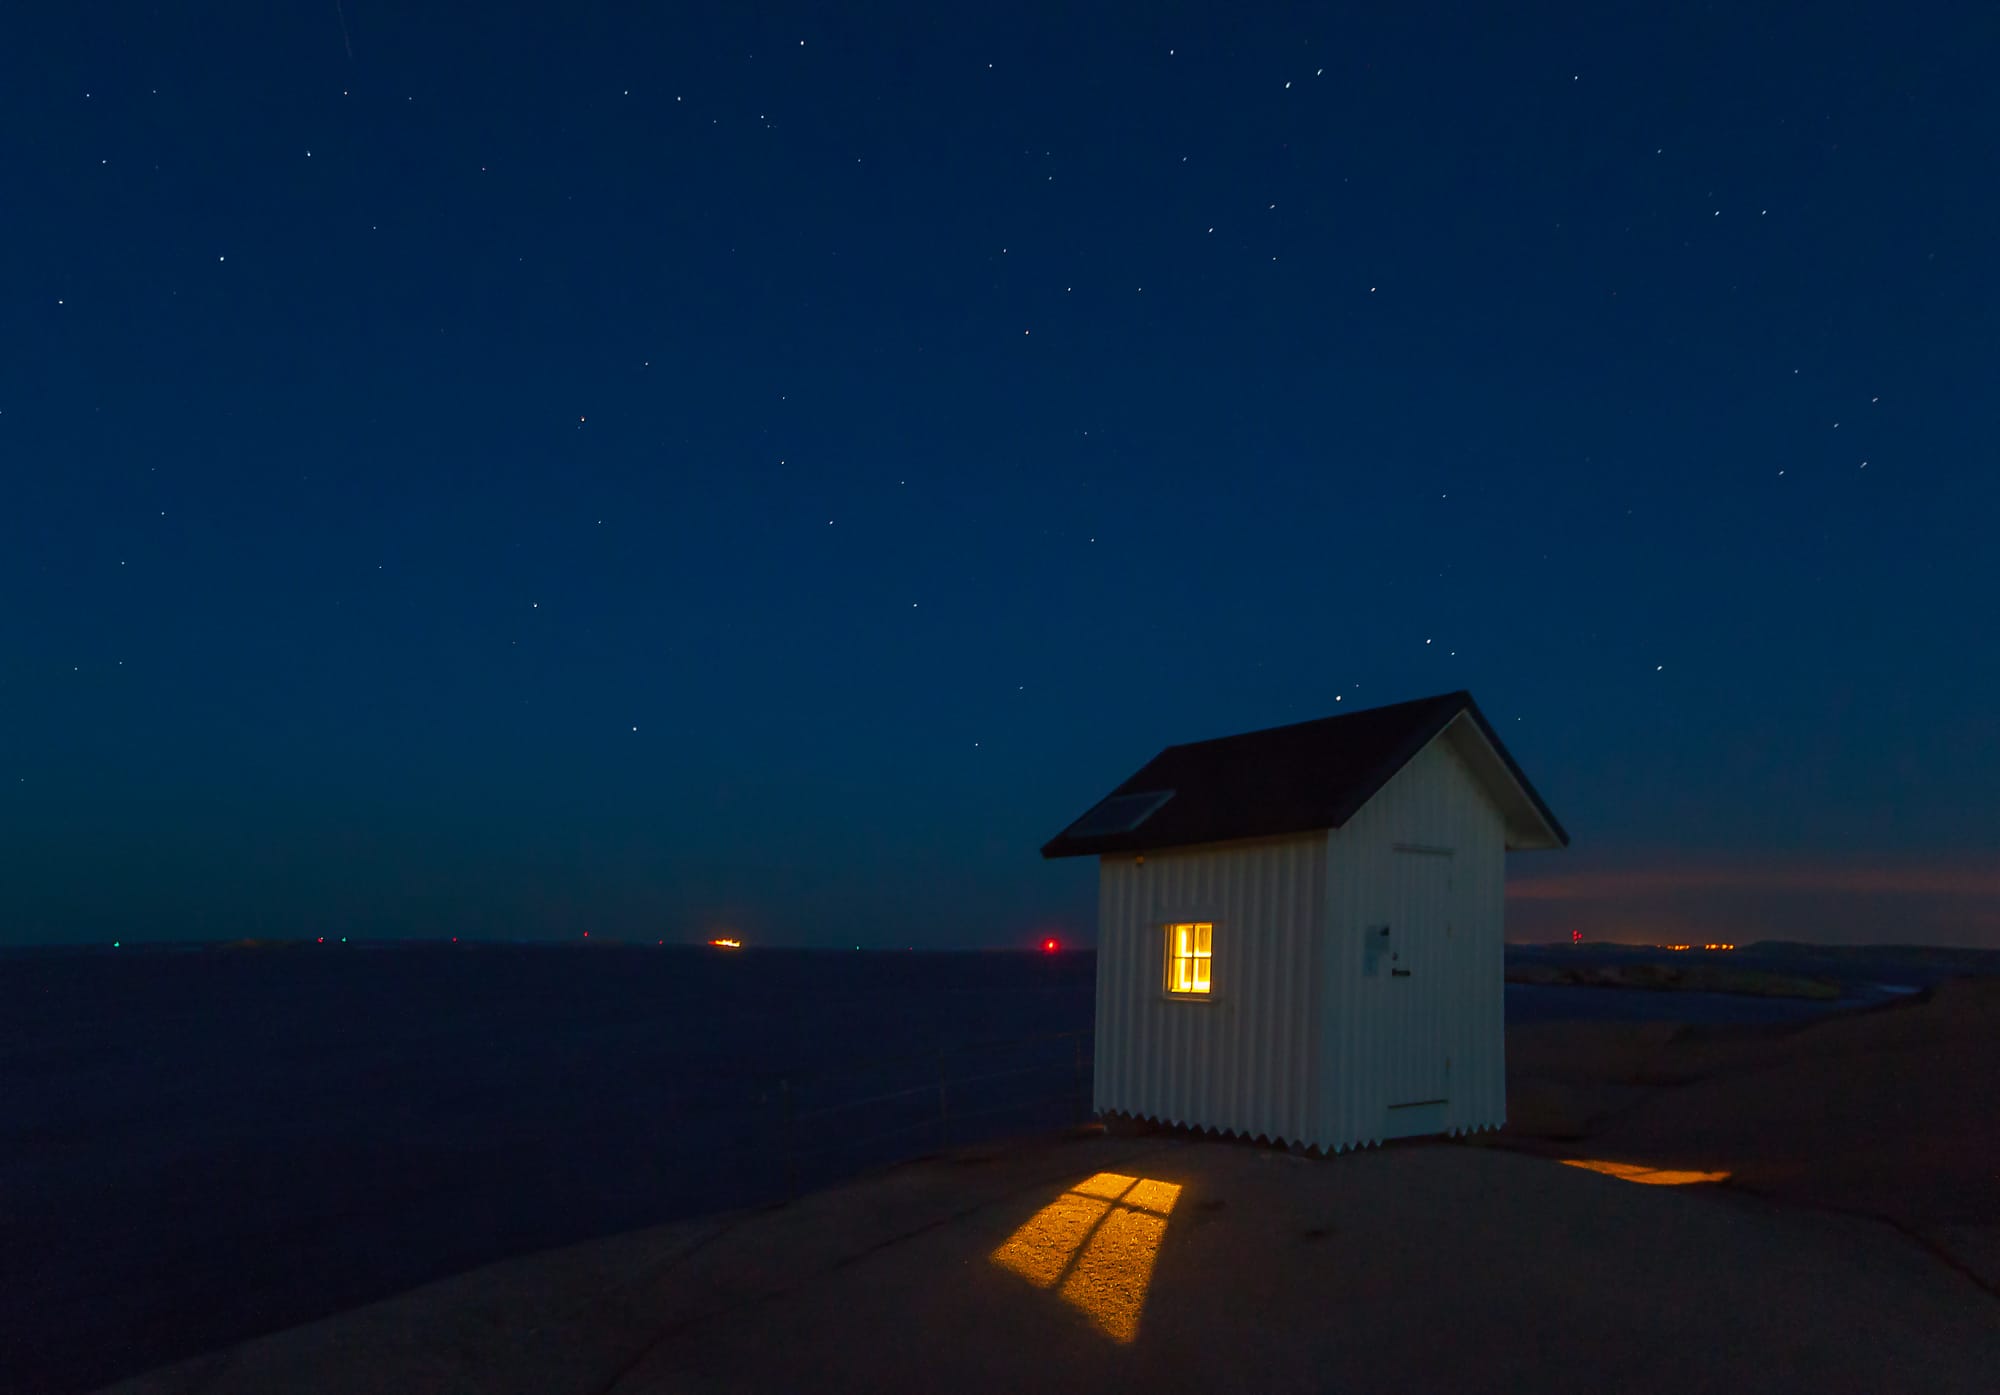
[1082, 1085]
[944, 1105]
[791, 1162]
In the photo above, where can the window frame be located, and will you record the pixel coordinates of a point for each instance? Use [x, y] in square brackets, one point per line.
[1201, 951]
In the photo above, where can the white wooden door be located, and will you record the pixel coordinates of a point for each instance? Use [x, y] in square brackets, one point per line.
[1419, 941]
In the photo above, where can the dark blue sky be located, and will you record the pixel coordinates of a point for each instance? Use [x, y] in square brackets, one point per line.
[656, 470]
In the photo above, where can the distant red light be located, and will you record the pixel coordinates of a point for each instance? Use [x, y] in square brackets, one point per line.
[322, 939]
[1048, 946]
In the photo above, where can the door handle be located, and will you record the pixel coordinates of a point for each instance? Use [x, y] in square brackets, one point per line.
[1399, 973]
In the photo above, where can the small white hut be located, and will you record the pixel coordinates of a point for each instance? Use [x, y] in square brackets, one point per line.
[1299, 930]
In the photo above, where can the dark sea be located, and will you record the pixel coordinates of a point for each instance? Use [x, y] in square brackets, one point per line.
[200, 1145]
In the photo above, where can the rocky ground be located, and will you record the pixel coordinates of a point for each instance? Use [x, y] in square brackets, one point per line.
[1848, 1239]
[1888, 1112]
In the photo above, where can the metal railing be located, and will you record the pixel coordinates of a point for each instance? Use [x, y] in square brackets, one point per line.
[947, 1089]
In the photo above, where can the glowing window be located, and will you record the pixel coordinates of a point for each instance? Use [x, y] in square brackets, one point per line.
[1188, 956]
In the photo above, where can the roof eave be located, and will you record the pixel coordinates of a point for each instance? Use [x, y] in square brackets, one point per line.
[1531, 825]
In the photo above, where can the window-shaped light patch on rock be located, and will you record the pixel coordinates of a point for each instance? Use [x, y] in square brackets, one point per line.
[1096, 1244]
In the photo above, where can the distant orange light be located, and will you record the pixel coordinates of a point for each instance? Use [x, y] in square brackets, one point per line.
[726, 943]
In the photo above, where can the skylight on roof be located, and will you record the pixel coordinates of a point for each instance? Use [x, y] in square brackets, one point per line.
[1121, 813]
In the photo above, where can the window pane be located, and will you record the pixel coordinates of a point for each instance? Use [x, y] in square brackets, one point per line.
[1187, 953]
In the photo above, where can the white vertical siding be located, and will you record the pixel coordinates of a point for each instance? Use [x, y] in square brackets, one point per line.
[1245, 1061]
[1372, 1044]
[1298, 1043]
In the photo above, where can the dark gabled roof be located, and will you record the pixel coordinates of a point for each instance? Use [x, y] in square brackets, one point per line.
[1297, 778]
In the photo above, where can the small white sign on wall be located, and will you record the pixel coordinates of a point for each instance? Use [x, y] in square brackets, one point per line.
[1375, 951]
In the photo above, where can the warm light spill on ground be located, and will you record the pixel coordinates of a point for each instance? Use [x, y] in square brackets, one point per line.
[1110, 1280]
[1100, 1239]
[1154, 1196]
[1109, 1185]
[1040, 1250]
[1639, 1172]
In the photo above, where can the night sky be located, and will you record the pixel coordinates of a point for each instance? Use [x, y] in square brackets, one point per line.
[517, 470]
